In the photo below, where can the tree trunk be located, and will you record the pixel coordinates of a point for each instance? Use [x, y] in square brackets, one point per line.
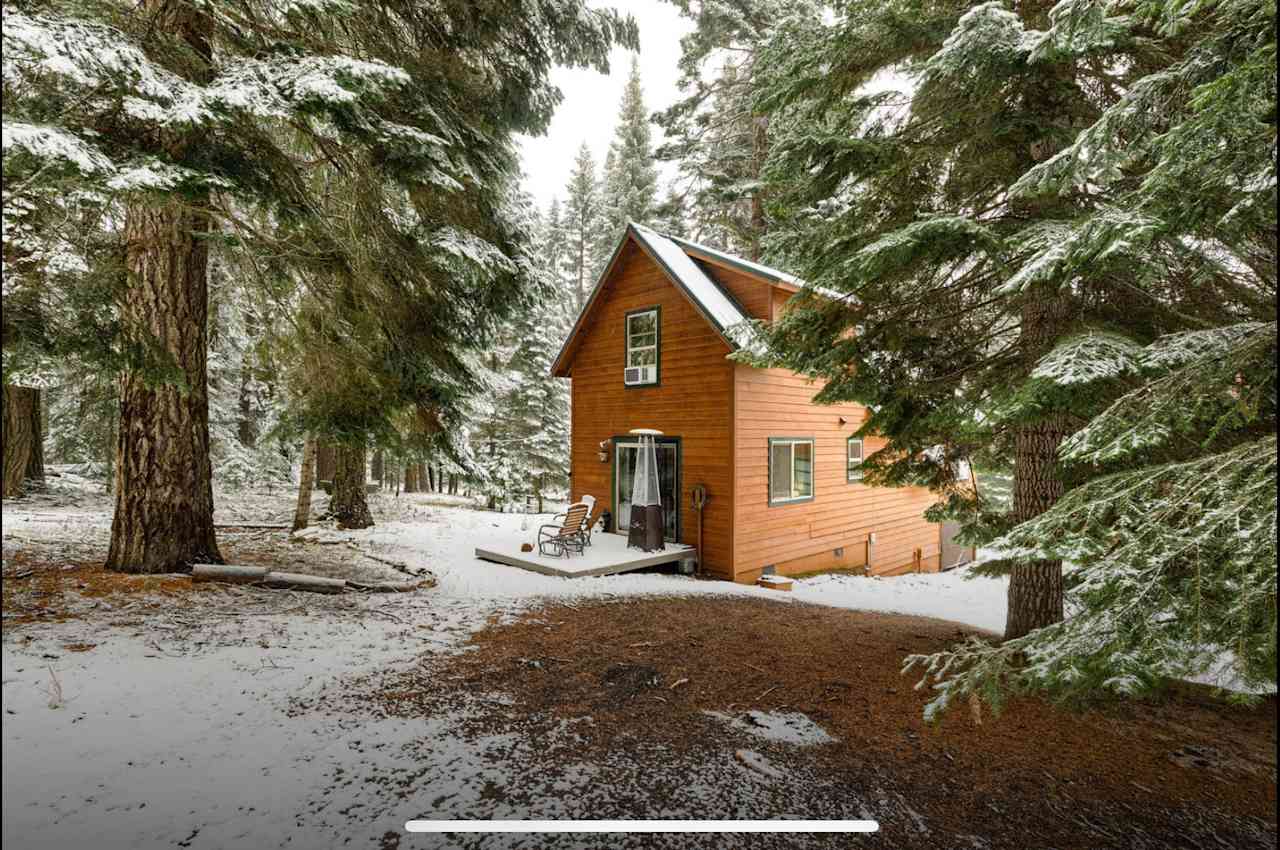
[759, 151]
[377, 469]
[1035, 588]
[348, 504]
[18, 437]
[302, 514]
[326, 461]
[163, 518]
[35, 460]
[247, 422]
[163, 479]
[246, 425]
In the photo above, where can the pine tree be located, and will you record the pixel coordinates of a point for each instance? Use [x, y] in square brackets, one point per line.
[957, 285]
[1039, 252]
[715, 132]
[671, 217]
[630, 177]
[554, 256]
[582, 225]
[178, 118]
[538, 406]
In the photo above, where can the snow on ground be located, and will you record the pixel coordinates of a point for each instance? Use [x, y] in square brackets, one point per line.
[182, 729]
[785, 727]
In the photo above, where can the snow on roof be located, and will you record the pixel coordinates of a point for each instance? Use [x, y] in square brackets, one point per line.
[747, 265]
[718, 306]
[766, 272]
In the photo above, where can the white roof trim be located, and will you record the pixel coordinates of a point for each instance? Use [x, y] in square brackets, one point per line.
[705, 292]
[717, 306]
[748, 265]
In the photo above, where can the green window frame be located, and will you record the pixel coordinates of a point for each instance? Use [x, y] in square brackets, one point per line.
[643, 334]
[854, 455]
[791, 470]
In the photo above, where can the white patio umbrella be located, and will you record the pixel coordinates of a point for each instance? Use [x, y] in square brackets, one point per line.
[648, 523]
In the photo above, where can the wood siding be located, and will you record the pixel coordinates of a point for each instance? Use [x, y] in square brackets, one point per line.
[693, 400]
[753, 295]
[803, 537]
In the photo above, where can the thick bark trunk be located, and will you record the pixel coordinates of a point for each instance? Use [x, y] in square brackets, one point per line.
[18, 438]
[326, 461]
[35, 460]
[1035, 589]
[307, 483]
[163, 517]
[163, 478]
[410, 478]
[348, 504]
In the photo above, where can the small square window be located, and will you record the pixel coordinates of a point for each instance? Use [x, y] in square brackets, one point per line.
[790, 470]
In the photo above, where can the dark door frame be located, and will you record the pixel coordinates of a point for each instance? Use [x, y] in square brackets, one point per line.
[678, 442]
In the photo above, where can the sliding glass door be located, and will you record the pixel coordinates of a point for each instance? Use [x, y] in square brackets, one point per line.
[624, 472]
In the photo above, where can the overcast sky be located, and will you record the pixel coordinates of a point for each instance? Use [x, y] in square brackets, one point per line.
[589, 110]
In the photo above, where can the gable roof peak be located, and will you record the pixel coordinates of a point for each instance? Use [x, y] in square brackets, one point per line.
[724, 314]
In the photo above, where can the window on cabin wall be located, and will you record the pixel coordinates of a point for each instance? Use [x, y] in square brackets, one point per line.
[853, 454]
[790, 470]
[642, 347]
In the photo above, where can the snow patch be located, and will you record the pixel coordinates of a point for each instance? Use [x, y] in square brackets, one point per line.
[782, 727]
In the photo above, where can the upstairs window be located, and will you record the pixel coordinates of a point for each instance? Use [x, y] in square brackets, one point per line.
[790, 470]
[854, 455]
[642, 348]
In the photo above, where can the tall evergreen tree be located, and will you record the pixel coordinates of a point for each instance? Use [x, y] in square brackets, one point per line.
[953, 286]
[1002, 251]
[582, 224]
[183, 116]
[630, 188]
[715, 132]
[553, 255]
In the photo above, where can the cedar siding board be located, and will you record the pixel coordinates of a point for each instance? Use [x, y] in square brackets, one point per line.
[724, 414]
[693, 401]
[752, 294]
[802, 537]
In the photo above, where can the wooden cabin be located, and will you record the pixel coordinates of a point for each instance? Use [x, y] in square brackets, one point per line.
[782, 474]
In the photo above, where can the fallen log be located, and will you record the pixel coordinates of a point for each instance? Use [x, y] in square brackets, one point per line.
[302, 581]
[252, 526]
[391, 586]
[236, 574]
[230, 573]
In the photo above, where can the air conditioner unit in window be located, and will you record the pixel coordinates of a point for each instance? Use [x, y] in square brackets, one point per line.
[634, 375]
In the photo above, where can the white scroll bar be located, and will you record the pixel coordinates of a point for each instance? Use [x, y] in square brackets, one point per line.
[438, 826]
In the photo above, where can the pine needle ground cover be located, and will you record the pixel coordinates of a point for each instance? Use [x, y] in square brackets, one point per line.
[652, 682]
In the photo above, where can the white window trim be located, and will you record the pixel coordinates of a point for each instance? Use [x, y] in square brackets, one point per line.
[850, 475]
[791, 469]
[632, 349]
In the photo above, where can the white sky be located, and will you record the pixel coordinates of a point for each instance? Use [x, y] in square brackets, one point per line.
[589, 110]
